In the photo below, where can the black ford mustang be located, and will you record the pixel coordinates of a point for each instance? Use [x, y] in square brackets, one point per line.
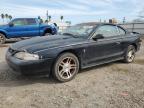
[76, 48]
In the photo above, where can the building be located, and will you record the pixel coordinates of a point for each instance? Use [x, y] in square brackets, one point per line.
[61, 24]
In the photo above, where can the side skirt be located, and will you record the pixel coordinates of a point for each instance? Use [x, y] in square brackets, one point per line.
[100, 63]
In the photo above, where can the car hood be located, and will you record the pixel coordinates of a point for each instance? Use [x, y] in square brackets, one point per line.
[40, 43]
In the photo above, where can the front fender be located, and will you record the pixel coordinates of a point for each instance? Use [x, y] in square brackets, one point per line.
[42, 29]
[53, 29]
[54, 52]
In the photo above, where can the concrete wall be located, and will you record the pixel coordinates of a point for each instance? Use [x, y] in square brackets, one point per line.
[134, 27]
[62, 25]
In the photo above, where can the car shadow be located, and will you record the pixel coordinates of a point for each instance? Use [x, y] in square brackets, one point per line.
[10, 42]
[9, 78]
[21, 80]
[27, 80]
[7, 43]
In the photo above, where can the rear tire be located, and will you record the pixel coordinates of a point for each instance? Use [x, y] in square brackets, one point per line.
[130, 54]
[66, 67]
[2, 39]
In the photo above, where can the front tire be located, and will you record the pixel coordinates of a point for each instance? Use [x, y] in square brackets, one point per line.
[47, 34]
[2, 39]
[130, 54]
[66, 67]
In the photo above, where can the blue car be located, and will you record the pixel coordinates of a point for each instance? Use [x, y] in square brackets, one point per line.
[25, 27]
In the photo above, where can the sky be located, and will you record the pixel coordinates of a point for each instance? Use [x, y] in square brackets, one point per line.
[76, 11]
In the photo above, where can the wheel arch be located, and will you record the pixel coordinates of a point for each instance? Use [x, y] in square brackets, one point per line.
[2, 32]
[47, 30]
[69, 51]
[73, 52]
[66, 51]
[135, 45]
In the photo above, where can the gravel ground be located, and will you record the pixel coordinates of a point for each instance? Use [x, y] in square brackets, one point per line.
[114, 85]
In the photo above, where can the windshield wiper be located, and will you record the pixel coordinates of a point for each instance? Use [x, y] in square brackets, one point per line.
[70, 34]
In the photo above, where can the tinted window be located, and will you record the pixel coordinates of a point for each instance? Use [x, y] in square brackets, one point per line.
[31, 21]
[107, 30]
[121, 31]
[19, 22]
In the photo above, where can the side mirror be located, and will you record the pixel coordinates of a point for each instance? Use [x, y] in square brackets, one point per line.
[11, 24]
[98, 36]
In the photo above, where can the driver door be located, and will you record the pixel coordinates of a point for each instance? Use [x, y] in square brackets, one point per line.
[17, 28]
[106, 49]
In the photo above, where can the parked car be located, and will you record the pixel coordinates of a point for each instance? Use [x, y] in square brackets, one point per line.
[25, 27]
[78, 47]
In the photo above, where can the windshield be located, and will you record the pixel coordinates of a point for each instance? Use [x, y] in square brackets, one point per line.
[78, 30]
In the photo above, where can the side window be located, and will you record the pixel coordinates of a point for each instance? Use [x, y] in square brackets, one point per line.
[107, 31]
[121, 31]
[31, 21]
[19, 22]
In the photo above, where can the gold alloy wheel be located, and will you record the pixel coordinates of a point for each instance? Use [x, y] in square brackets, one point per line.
[67, 68]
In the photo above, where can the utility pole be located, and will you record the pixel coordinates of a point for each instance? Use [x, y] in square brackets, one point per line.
[124, 19]
[47, 14]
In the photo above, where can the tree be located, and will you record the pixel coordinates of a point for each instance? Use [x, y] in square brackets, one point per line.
[49, 18]
[46, 21]
[61, 17]
[6, 16]
[10, 17]
[41, 20]
[3, 16]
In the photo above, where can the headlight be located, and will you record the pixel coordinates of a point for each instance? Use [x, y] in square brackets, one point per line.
[26, 56]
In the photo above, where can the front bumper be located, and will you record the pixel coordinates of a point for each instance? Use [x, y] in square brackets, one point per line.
[39, 67]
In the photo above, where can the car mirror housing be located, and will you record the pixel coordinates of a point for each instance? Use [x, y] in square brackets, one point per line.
[98, 36]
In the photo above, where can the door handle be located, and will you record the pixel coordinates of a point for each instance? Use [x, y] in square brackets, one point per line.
[118, 42]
